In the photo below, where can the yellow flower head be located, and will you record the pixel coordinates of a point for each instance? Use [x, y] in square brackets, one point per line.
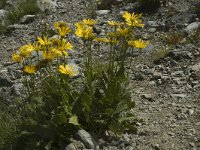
[68, 70]
[138, 43]
[37, 46]
[44, 41]
[16, 57]
[30, 69]
[60, 24]
[84, 31]
[26, 50]
[133, 20]
[113, 41]
[124, 31]
[62, 28]
[89, 22]
[63, 31]
[64, 45]
[115, 23]
[49, 55]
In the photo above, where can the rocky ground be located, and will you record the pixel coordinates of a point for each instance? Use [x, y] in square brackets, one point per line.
[165, 76]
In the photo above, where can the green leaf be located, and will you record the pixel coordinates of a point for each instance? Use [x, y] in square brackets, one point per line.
[122, 119]
[74, 120]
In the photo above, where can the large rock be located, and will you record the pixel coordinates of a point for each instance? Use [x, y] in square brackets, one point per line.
[27, 19]
[47, 5]
[17, 89]
[86, 139]
[179, 20]
[2, 13]
[192, 27]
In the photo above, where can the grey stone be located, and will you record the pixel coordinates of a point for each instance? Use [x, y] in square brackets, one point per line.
[172, 62]
[157, 75]
[17, 26]
[192, 27]
[87, 139]
[180, 19]
[2, 13]
[102, 12]
[152, 30]
[190, 111]
[17, 88]
[47, 5]
[178, 54]
[150, 48]
[171, 133]
[165, 78]
[158, 25]
[70, 147]
[195, 67]
[152, 83]
[139, 76]
[178, 95]
[156, 146]
[192, 144]
[147, 96]
[152, 24]
[27, 19]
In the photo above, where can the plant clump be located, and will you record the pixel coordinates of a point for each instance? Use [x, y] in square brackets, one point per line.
[23, 7]
[62, 98]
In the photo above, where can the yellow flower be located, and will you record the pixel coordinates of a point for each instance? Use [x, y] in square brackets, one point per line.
[138, 43]
[60, 24]
[62, 28]
[37, 46]
[133, 20]
[16, 57]
[89, 22]
[44, 41]
[68, 70]
[84, 31]
[49, 55]
[55, 52]
[124, 32]
[113, 41]
[30, 69]
[64, 45]
[103, 40]
[114, 23]
[26, 50]
[63, 31]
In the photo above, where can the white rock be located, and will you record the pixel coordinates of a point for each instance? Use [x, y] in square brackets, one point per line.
[178, 95]
[192, 27]
[27, 18]
[102, 12]
[2, 13]
[70, 147]
[47, 5]
[190, 111]
[87, 139]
